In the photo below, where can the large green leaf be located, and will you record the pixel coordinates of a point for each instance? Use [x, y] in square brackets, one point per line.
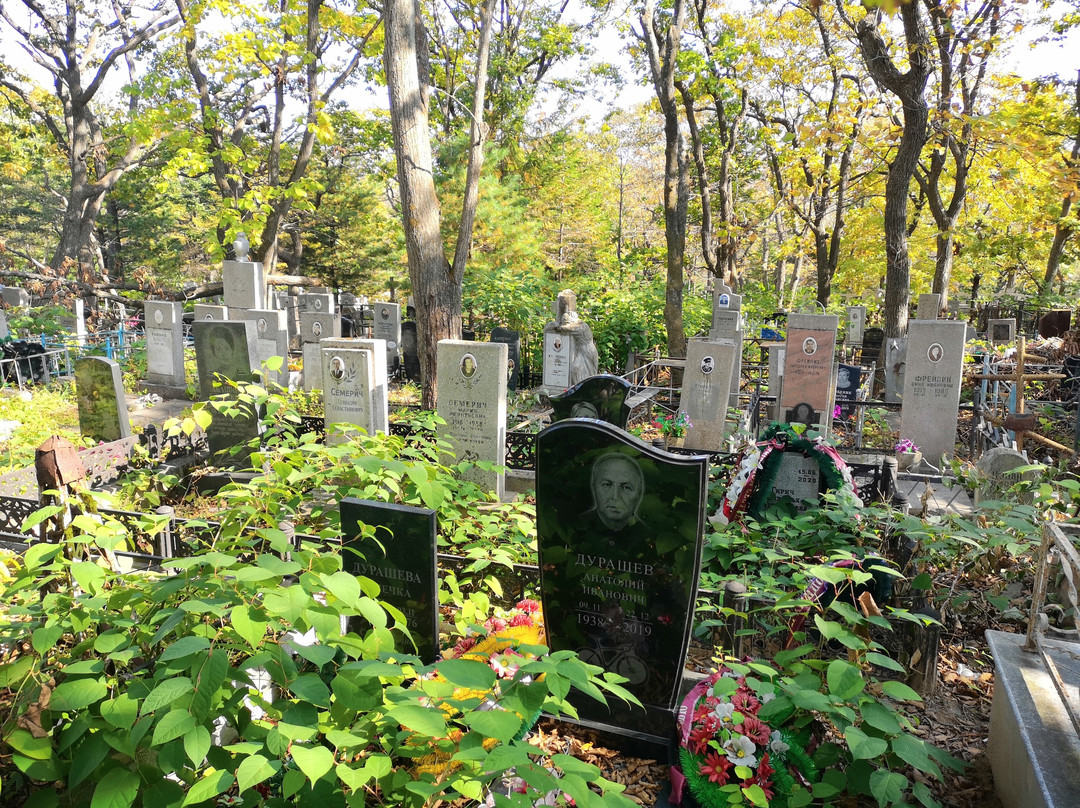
[342, 586]
[314, 761]
[117, 789]
[468, 673]
[501, 725]
[249, 624]
[253, 770]
[424, 720]
[862, 746]
[209, 673]
[77, 694]
[845, 680]
[197, 744]
[183, 647]
[898, 690]
[311, 689]
[212, 784]
[887, 787]
[172, 725]
[166, 694]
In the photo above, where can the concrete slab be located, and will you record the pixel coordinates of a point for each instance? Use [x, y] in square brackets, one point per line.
[142, 413]
[1034, 748]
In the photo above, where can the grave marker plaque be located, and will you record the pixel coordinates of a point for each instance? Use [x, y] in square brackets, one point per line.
[798, 479]
[619, 539]
[313, 328]
[349, 381]
[204, 311]
[242, 284]
[401, 559]
[856, 323]
[929, 307]
[806, 397]
[387, 326]
[1000, 331]
[848, 380]
[706, 391]
[935, 358]
[472, 401]
[99, 390]
[164, 343]
[271, 339]
[410, 351]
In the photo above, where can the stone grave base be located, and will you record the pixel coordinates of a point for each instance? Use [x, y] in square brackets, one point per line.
[164, 390]
[1034, 748]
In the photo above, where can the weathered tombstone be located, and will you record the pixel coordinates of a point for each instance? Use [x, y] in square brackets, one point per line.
[205, 311]
[15, 297]
[471, 380]
[929, 307]
[512, 341]
[1055, 324]
[994, 469]
[5, 332]
[387, 326]
[316, 303]
[410, 351]
[726, 329]
[848, 379]
[798, 479]
[99, 391]
[349, 379]
[401, 558]
[808, 369]
[313, 328]
[164, 344]
[570, 354]
[243, 285]
[619, 528]
[998, 331]
[602, 397]
[707, 391]
[856, 324]
[227, 349]
[777, 355]
[895, 364]
[80, 320]
[468, 335]
[935, 357]
[272, 340]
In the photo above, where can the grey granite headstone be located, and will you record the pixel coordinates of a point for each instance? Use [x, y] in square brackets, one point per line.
[929, 307]
[223, 348]
[727, 326]
[387, 326]
[856, 323]
[243, 284]
[5, 332]
[15, 297]
[999, 331]
[471, 380]
[164, 343]
[99, 391]
[349, 387]
[313, 328]
[724, 298]
[935, 358]
[777, 355]
[808, 369]
[570, 354]
[205, 311]
[401, 558]
[512, 341]
[994, 473]
[80, 320]
[707, 391]
[799, 479]
[272, 340]
[895, 363]
[316, 303]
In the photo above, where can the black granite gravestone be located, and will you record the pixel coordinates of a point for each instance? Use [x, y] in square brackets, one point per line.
[871, 346]
[400, 558]
[848, 379]
[410, 351]
[1055, 324]
[619, 538]
[512, 341]
[602, 397]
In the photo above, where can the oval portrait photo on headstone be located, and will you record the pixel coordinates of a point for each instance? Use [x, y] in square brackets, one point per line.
[316, 329]
[468, 366]
[262, 325]
[159, 317]
[317, 304]
[384, 313]
[935, 352]
[706, 365]
[724, 300]
[809, 346]
[337, 368]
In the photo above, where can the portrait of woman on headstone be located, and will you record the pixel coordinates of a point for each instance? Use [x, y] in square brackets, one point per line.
[468, 365]
[801, 413]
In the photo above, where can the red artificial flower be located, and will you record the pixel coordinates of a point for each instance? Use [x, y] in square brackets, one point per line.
[717, 768]
[745, 701]
[764, 770]
[495, 625]
[463, 645]
[521, 620]
[755, 729]
[701, 733]
[529, 606]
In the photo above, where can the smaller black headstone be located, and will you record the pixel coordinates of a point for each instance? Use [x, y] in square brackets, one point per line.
[1055, 324]
[848, 379]
[410, 351]
[512, 341]
[468, 335]
[602, 397]
[871, 345]
[401, 559]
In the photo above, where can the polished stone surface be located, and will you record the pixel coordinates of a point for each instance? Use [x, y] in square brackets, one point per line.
[602, 397]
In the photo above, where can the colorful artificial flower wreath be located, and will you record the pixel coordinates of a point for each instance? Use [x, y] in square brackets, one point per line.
[504, 642]
[729, 754]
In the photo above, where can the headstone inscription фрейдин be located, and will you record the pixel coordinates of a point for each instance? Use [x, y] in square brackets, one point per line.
[401, 558]
[472, 401]
[707, 391]
[806, 397]
[935, 360]
[99, 391]
[602, 397]
[619, 528]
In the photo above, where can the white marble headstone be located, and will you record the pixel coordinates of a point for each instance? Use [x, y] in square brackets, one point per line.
[935, 358]
[164, 343]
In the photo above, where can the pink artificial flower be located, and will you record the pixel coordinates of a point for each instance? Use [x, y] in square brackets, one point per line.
[494, 625]
[529, 606]
[521, 620]
[745, 701]
[463, 645]
[755, 729]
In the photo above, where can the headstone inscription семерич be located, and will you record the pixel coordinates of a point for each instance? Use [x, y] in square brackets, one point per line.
[400, 556]
[619, 539]
[472, 401]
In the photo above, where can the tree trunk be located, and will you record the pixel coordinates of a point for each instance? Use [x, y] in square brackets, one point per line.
[436, 294]
[1064, 231]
